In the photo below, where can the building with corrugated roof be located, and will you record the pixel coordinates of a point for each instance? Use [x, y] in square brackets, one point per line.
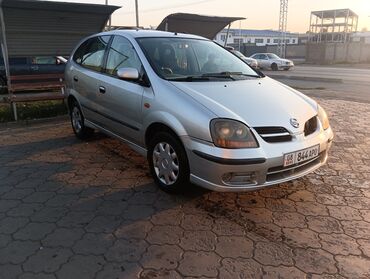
[254, 37]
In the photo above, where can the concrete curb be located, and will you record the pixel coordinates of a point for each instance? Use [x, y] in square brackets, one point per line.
[318, 79]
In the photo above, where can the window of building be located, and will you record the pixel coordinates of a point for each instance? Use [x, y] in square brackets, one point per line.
[258, 41]
[223, 37]
[276, 41]
[293, 41]
[237, 41]
[268, 41]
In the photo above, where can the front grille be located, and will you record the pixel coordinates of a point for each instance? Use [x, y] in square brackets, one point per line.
[274, 134]
[310, 126]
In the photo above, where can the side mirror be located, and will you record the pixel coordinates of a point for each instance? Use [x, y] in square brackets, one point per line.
[128, 73]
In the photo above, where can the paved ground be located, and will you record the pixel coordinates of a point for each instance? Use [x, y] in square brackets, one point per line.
[71, 209]
[349, 83]
[344, 73]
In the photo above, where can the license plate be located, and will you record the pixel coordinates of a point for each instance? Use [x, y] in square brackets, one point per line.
[301, 155]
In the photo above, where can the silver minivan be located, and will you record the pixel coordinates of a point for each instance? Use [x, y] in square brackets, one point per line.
[199, 113]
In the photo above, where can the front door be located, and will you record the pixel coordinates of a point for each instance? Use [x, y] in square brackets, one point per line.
[121, 101]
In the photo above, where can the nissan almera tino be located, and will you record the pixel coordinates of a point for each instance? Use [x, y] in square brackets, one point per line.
[199, 113]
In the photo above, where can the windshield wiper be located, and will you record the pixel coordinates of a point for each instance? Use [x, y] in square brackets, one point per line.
[229, 75]
[189, 78]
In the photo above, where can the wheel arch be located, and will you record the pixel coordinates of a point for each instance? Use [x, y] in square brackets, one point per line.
[156, 127]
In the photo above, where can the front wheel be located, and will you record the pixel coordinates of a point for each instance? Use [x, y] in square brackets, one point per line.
[274, 67]
[78, 122]
[168, 163]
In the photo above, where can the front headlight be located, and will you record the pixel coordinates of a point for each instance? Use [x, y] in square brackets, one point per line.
[227, 133]
[323, 117]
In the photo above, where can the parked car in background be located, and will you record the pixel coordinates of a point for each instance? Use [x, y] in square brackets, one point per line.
[250, 61]
[39, 65]
[197, 112]
[272, 61]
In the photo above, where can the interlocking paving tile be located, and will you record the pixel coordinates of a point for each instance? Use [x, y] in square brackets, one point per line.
[74, 209]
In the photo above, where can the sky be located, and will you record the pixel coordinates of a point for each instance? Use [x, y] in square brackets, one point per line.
[260, 14]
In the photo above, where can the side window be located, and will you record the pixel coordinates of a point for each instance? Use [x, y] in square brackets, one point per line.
[264, 57]
[122, 55]
[44, 60]
[91, 53]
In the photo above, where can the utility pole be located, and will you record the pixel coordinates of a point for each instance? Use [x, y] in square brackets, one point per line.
[110, 19]
[283, 18]
[137, 13]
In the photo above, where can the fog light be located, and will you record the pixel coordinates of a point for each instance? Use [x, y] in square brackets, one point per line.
[239, 178]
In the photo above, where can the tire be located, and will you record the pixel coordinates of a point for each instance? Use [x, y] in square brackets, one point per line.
[286, 69]
[168, 163]
[78, 122]
[274, 67]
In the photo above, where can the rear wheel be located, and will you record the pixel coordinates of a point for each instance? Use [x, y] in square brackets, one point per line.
[274, 67]
[168, 162]
[78, 122]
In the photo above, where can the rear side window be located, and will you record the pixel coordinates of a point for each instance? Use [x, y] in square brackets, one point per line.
[122, 55]
[91, 53]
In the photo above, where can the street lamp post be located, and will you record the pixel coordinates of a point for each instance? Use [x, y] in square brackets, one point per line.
[137, 13]
[110, 19]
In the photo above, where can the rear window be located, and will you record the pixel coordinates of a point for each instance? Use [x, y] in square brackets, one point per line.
[44, 60]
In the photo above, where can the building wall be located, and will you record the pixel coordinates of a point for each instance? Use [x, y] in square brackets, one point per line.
[327, 53]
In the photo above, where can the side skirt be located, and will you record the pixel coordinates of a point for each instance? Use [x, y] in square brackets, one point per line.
[142, 151]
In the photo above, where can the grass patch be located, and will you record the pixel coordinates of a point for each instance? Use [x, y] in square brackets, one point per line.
[33, 110]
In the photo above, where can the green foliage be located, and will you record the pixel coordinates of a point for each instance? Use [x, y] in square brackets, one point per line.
[33, 110]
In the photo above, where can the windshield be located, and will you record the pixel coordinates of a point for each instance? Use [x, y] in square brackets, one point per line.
[193, 59]
[273, 56]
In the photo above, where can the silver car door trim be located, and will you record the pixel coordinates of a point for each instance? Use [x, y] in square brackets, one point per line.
[112, 118]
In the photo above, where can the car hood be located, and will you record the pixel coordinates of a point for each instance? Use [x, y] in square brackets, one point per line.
[256, 102]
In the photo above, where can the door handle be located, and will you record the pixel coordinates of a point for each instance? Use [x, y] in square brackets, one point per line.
[102, 89]
[75, 78]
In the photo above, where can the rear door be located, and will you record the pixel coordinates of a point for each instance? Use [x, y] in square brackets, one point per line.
[19, 66]
[87, 76]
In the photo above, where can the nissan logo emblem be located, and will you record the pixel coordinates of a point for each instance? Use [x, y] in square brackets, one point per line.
[294, 122]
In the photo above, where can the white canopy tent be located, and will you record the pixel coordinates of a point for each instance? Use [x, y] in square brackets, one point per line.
[202, 25]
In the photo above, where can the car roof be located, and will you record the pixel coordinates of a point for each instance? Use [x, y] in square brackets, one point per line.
[263, 53]
[145, 33]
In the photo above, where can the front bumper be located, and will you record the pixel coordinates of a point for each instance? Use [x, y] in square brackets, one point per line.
[259, 167]
[285, 67]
